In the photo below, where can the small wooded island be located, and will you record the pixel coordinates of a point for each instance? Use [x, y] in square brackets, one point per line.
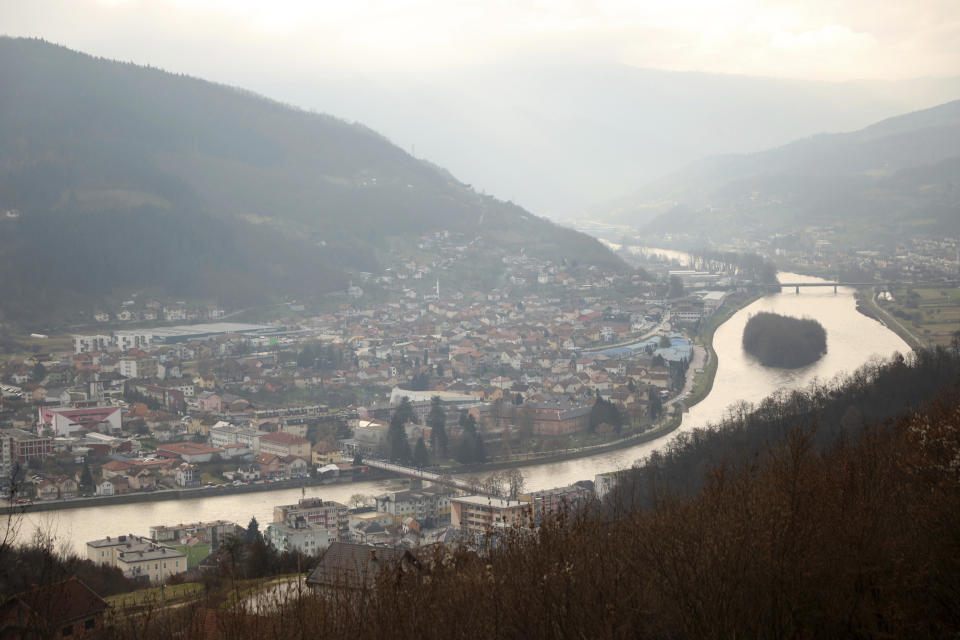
[784, 341]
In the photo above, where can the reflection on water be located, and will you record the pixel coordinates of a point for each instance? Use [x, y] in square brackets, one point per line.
[852, 339]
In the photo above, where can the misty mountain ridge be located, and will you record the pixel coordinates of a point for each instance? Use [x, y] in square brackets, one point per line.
[559, 136]
[207, 190]
[897, 177]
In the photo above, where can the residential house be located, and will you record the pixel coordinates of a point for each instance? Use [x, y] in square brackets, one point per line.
[271, 466]
[351, 566]
[66, 609]
[142, 480]
[187, 476]
[155, 564]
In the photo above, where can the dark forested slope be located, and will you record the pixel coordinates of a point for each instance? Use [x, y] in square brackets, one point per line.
[267, 193]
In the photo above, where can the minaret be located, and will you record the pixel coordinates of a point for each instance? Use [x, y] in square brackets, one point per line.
[438, 288]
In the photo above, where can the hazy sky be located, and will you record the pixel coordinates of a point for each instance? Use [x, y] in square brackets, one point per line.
[219, 39]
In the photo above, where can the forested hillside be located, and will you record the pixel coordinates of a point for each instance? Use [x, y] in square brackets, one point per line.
[894, 178]
[211, 190]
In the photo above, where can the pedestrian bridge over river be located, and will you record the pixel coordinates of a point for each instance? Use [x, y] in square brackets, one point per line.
[421, 474]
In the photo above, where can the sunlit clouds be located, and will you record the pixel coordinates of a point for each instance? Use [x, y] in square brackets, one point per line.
[816, 39]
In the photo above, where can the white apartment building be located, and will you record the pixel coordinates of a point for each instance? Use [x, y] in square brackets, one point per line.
[299, 536]
[137, 556]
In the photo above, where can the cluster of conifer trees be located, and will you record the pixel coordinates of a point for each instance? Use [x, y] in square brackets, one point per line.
[784, 341]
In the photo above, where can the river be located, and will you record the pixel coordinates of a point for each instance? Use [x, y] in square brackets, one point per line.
[852, 339]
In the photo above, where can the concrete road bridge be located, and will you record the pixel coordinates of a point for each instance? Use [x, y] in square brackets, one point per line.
[797, 285]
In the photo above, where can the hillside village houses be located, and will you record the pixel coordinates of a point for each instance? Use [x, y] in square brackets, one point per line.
[149, 409]
[525, 361]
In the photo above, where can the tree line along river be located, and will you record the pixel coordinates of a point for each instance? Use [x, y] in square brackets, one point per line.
[852, 339]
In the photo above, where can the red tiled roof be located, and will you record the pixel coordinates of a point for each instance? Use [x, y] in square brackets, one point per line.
[188, 448]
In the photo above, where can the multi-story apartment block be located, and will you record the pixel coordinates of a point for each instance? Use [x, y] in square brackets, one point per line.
[206, 531]
[285, 444]
[140, 368]
[87, 344]
[223, 434]
[430, 505]
[298, 536]
[558, 502]
[17, 445]
[477, 514]
[326, 514]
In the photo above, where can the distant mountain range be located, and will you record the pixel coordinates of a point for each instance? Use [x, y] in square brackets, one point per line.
[897, 178]
[126, 176]
[560, 136]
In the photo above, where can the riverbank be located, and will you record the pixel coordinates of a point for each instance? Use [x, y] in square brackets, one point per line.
[184, 494]
[703, 383]
[669, 425]
[867, 305]
[702, 386]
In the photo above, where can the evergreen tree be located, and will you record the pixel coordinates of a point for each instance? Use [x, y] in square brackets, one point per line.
[39, 373]
[437, 421]
[86, 478]
[253, 530]
[420, 457]
[397, 440]
[605, 412]
[471, 447]
[465, 450]
[655, 402]
[307, 358]
[479, 450]
[405, 411]
[468, 432]
[676, 287]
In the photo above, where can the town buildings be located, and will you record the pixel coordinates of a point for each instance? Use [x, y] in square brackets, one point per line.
[137, 557]
[479, 514]
[299, 536]
[429, 505]
[65, 421]
[328, 515]
[205, 531]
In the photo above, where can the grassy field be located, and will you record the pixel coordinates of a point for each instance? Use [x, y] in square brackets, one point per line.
[206, 477]
[931, 314]
[51, 344]
[151, 596]
[194, 554]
